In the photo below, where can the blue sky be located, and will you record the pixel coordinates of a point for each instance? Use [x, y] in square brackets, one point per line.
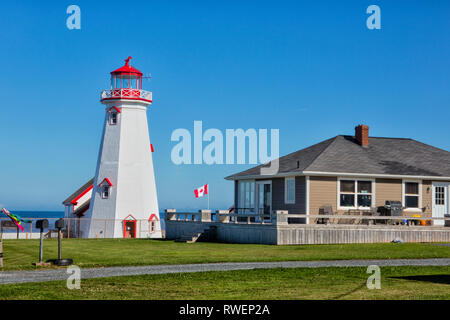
[310, 69]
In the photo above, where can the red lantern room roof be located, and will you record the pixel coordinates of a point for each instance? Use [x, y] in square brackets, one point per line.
[127, 69]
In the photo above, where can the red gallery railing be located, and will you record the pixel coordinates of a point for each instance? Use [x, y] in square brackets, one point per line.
[126, 93]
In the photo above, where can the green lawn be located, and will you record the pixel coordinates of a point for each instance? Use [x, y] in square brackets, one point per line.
[20, 254]
[319, 283]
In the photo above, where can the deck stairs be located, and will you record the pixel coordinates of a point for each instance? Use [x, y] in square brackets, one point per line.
[208, 234]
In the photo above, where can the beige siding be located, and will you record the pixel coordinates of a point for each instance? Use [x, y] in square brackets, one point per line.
[323, 191]
[427, 198]
[387, 189]
[390, 189]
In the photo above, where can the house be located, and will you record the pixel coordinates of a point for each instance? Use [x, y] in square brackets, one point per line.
[351, 172]
[76, 205]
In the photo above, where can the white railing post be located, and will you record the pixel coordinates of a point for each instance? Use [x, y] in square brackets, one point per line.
[222, 216]
[170, 214]
[205, 215]
[281, 217]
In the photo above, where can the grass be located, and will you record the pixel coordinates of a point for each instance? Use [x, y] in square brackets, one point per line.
[319, 283]
[20, 254]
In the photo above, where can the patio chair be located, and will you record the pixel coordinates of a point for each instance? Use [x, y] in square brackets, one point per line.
[327, 211]
[374, 213]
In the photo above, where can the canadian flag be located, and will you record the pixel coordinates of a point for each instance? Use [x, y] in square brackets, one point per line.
[200, 192]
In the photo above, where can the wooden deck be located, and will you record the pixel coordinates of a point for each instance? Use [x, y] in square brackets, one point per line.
[278, 230]
[308, 234]
[339, 234]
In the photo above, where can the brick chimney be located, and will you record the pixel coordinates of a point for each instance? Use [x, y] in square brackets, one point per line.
[362, 135]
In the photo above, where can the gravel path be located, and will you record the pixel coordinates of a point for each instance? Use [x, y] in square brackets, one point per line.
[8, 277]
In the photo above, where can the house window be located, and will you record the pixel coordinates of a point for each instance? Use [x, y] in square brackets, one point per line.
[246, 196]
[347, 195]
[411, 195]
[289, 190]
[105, 192]
[113, 118]
[355, 194]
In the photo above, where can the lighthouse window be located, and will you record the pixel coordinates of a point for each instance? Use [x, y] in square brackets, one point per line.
[126, 81]
[105, 192]
[113, 118]
[152, 226]
[117, 82]
[133, 82]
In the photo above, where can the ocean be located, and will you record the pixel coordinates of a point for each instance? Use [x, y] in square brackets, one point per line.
[39, 214]
[28, 227]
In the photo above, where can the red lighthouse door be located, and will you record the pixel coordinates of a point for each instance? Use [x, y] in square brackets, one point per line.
[130, 229]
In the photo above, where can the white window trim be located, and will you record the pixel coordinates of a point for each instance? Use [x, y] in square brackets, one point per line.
[254, 193]
[419, 209]
[356, 194]
[286, 201]
[307, 197]
[257, 193]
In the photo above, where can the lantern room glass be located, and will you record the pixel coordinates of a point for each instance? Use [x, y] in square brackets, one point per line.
[133, 82]
[126, 81]
[117, 82]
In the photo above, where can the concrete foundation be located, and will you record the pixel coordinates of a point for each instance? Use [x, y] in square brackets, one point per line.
[308, 234]
[225, 232]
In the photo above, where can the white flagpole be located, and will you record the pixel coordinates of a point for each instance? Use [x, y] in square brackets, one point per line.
[208, 196]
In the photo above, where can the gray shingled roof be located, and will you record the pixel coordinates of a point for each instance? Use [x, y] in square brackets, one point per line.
[78, 192]
[386, 156]
[82, 209]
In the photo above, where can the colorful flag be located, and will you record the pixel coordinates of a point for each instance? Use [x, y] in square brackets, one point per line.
[200, 192]
[16, 219]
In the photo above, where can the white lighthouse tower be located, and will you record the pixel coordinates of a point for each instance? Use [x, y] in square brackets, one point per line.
[124, 202]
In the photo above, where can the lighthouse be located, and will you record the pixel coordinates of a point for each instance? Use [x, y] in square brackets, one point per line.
[124, 201]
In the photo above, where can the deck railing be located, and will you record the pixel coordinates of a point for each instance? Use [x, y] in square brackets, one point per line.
[222, 216]
[282, 217]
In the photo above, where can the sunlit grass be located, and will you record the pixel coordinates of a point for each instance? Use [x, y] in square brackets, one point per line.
[303, 283]
[20, 254]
